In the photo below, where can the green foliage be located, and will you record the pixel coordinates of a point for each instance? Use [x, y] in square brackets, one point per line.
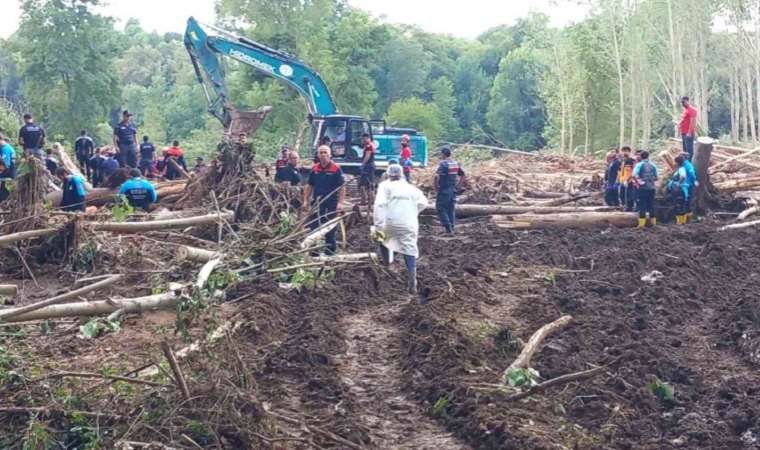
[83, 259]
[67, 63]
[445, 101]
[416, 113]
[37, 436]
[97, 326]
[516, 113]
[221, 280]
[522, 378]
[310, 278]
[10, 121]
[439, 408]
[121, 210]
[663, 391]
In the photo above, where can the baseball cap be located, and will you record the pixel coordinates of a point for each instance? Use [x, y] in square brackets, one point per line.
[126, 113]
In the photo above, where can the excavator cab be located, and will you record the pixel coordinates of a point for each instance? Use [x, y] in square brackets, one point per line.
[343, 134]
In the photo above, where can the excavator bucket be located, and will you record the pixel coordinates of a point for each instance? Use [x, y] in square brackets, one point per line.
[247, 121]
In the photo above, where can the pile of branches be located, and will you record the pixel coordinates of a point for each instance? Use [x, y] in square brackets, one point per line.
[26, 204]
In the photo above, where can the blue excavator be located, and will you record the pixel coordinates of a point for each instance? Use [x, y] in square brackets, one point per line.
[342, 132]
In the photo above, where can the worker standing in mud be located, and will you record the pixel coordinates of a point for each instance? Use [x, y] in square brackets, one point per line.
[448, 178]
[396, 208]
[626, 180]
[139, 192]
[691, 176]
[405, 158]
[125, 141]
[74, 191]
[688, 126]
[31, 137]
[611, 185]
[326, 190]
[367, 171]
[679, 188]
[83, 149]
[645, 174]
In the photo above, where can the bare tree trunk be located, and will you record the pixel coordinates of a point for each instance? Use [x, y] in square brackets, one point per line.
[633, 107]
[621, 87]
[585, 125]
[734, 106]
[750, 105]
[744, 113]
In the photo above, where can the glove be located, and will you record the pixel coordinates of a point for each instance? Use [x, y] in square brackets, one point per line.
[377, 235]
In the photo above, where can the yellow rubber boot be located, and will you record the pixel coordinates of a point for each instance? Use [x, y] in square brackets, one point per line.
[688, 217]
[653, 221]
[680, 220]
[642, 223]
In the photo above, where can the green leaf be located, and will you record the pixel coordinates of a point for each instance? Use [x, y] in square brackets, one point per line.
[91, 329]
[663, 391]
[122, 209]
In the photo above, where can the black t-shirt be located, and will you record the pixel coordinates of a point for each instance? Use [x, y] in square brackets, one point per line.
[325, 181]
[32, 136]
[83, 146]
[287, 174]
[126, 133]
[146, 151]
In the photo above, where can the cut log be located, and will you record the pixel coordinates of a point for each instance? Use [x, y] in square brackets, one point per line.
[178, 168]
[23, 235]
[140, 227]
[568, 220]
[160, 301]
[487, 210]
[5, 315]
[315, 236]
[730, 186]
[669, 160]
[347, 257]
[569, 199]
[8, 289]
[715, 168]
[187, 253]
[701, 160]
[543, 194]
[523, 359]
[102, 196]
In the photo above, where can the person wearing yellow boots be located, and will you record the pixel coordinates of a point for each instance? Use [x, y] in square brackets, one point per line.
[645, 176]
[680, 190]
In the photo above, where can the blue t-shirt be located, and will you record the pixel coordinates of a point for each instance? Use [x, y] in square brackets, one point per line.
[647, 173]
[108, 167]
[691, 174]
[139, 191]
[78, 185]
[125, 133]
[8, 154]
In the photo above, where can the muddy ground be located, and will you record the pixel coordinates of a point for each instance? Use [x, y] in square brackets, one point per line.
[359, 363]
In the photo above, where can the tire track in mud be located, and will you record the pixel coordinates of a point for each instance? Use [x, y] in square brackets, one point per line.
[372, 375]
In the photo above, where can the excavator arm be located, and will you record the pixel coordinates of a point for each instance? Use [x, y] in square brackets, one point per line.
[205, 49]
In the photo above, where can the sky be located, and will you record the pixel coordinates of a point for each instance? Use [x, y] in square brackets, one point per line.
[461, 18]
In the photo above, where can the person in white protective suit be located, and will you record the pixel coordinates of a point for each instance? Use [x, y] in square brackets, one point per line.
[397, 205]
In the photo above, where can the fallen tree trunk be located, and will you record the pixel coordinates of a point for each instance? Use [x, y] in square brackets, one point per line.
[187, 253]
[715, 168]
[101, 196]
[69, 164]
[320, 232]
[140, 227]
[543, 194]
[487, 210]
[151, 302]
[23, 235]
[523, 359]
[348, 257]
[8, 289]
[568, 220]
[569, 199]
[738, 226]
[748, 212]
[8, 314]
[737, 185]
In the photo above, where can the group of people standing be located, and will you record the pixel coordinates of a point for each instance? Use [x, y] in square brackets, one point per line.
[630, 179]
[396, 202]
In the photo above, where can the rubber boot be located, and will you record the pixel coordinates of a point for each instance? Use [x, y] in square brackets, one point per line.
[642, 223]
[653, 221]
[688, 217]
[411, 280]
[680, 219]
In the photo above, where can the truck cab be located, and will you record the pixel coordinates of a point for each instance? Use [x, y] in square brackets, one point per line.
[343, 134]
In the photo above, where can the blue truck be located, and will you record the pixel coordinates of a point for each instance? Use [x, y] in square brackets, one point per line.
[206, 44]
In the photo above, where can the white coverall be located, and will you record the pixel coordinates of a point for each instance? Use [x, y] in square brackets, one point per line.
[397, 205]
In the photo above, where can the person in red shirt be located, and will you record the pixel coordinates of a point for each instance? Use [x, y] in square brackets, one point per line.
[367, 171]
[688, 126]
[176, 155]
[406, 158]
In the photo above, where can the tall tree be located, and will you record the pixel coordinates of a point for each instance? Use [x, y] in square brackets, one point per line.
[67, 65]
